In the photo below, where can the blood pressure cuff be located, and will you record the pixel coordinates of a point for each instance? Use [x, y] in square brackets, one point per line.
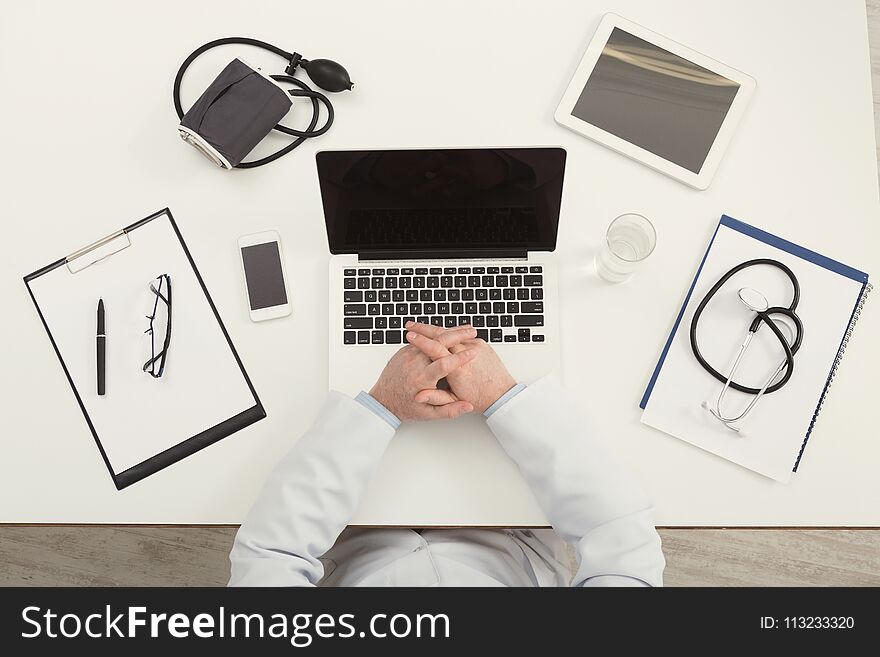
[238, 109]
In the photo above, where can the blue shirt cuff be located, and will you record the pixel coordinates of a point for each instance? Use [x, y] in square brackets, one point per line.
[368, 401]
[503, 399]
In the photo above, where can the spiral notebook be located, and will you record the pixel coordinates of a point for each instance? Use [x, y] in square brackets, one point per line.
[777, 430]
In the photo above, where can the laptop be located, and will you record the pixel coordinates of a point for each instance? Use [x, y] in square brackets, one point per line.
[445, 237]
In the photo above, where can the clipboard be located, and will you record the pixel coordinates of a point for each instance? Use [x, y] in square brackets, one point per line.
[144, 424]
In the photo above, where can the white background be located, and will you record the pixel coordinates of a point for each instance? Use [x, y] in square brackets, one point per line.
[90, 145]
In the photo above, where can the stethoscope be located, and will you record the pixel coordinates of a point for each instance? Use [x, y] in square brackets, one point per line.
[757, 303]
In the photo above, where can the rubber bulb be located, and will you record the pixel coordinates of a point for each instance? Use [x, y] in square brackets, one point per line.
[327, 74]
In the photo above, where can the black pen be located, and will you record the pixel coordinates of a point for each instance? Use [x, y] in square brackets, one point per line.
[101, 339]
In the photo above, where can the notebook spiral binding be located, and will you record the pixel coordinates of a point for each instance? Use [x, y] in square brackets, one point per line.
[837, 359]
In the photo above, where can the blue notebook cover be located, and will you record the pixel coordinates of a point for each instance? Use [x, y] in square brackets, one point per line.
[794, 249]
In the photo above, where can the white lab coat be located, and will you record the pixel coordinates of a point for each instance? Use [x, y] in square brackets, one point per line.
[291, 537]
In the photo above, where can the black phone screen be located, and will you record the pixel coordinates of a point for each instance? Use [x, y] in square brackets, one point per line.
[262, 272]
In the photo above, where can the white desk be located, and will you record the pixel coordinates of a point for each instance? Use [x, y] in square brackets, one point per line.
[90, 144]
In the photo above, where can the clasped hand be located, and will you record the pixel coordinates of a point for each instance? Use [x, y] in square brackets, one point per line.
[409, 386]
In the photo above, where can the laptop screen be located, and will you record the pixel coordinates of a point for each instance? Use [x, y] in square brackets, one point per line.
[455, 200]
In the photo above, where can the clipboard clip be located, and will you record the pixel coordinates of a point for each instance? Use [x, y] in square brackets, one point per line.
[98, 251]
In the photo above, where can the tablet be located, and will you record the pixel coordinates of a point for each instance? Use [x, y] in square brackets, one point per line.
[656, 101]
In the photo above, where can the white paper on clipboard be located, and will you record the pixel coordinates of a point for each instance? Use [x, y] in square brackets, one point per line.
[140, 416]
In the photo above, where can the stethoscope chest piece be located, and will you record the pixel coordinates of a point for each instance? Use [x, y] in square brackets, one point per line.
[757, 303]
[753, 300]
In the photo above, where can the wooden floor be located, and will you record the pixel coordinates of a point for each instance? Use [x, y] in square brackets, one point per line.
[199, 556]
[193, 556]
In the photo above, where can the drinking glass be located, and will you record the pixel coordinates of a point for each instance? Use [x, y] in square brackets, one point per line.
[630, 239]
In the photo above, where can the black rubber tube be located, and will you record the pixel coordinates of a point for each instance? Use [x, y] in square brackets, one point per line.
[761, 317]
[303, 91]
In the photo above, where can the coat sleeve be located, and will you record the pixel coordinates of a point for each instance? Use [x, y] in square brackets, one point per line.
[310, 497]
[592, 501]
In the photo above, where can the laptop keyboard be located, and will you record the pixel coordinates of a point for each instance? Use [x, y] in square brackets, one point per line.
[503, 304]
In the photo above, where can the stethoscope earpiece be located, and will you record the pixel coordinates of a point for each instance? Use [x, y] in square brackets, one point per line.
[728, 423]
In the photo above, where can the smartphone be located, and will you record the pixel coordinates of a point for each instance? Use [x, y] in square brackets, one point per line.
[264, 277]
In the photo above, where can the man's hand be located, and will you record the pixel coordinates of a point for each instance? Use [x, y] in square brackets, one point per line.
[411, 373]
[481, 381]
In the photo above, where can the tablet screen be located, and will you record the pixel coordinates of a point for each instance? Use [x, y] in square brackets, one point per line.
[656, 100]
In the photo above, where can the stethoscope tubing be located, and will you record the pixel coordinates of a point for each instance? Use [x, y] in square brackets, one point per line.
[764, 317]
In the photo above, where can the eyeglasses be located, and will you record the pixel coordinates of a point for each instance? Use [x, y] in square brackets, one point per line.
[160, 326]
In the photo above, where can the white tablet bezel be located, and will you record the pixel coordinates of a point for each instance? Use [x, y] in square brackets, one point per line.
[699, 180]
